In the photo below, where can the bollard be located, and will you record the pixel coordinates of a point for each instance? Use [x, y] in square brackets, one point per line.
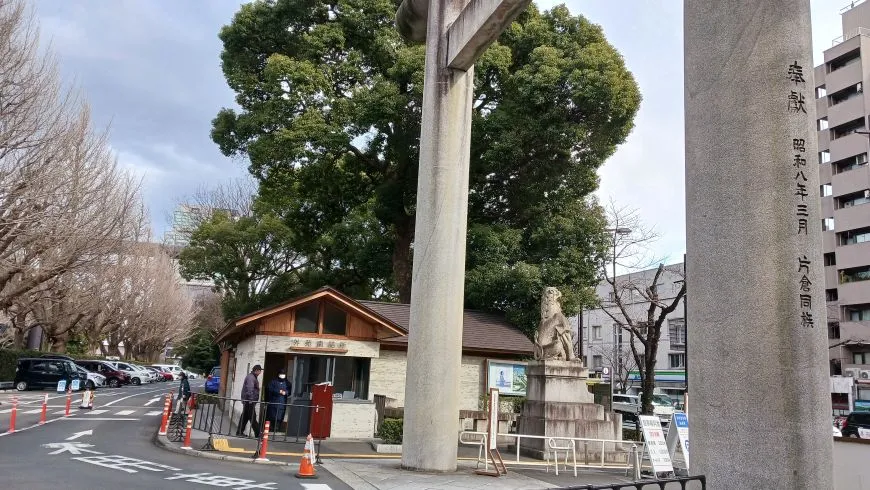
[265, 444]
[87, 400]
[44, 410]
[14, 412]
[166, 407]
[68, 402]
[187, 434]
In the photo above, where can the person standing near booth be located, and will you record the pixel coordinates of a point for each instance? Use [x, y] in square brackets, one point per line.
[276, 395]
[250, 398]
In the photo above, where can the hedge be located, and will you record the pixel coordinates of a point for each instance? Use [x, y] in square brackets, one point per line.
[391, 431]
[9, 361]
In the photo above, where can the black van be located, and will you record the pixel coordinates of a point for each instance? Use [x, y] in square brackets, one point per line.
[854, 421]
[40, 373]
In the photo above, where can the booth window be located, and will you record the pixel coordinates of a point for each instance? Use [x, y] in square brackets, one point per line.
[351, 377]
[320, 317]
[306, 318]
[334, 320]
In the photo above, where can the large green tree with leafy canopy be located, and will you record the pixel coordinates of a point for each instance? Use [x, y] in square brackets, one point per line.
[329, 106]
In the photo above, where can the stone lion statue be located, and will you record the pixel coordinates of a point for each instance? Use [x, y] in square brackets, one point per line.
[554, 339]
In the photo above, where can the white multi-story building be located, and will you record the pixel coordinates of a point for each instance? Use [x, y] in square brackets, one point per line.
[606, 348]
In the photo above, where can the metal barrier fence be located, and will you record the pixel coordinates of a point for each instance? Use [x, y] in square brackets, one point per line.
[233, 417]
[661, 484]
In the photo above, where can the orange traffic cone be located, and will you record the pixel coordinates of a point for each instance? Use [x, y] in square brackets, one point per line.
[306, 466]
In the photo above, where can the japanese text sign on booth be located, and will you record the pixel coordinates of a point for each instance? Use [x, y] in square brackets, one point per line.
[656, 446]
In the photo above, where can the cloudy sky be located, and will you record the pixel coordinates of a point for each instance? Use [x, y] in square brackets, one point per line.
[151, 71]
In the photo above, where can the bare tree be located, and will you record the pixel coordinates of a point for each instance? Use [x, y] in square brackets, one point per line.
[638, 303]
[620, 360]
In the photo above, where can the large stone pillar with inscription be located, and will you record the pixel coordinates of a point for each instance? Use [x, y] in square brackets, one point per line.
[760, 409]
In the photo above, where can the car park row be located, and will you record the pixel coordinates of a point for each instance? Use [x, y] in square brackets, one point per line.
[48, 370]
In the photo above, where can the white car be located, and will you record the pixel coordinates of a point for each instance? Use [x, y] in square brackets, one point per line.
[95, 380]
[170, 368]
[151, 374]
[137, 377]
[837, 432]
[191, 374]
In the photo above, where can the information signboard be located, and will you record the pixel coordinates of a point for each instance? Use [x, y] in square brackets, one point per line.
[75, 385]
[61, 386]
[678, 435]
[493, 418]
[656, 446]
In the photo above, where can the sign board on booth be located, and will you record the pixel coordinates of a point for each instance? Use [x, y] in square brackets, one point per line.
[679, 435]
[656, 446]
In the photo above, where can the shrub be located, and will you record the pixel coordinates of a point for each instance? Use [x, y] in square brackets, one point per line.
[9, 361]
[630, 435]
[391, 431]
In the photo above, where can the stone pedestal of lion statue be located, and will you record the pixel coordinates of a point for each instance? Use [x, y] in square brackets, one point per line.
[558, 402]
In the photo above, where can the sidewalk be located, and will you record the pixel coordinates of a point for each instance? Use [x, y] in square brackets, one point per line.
[358, 465]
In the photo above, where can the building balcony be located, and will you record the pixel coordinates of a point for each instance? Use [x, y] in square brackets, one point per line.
[848, 110]
[857, 179]
[844, 77]
[848, 146]
[829, 240]
[849, 219]
[832, 277]
[853, 293]
[854, 331]
[856, 255]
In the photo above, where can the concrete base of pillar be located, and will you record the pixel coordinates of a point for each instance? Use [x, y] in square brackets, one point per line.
[559, 404]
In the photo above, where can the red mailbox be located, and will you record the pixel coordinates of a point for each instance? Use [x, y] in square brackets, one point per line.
[321, 418]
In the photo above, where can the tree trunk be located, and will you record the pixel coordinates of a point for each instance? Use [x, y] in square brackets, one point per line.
[649, 375]
[402, 258]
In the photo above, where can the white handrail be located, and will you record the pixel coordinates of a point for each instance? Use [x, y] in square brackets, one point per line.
[575, 440]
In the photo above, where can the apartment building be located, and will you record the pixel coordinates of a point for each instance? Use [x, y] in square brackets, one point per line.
[844, 142]
[606, 348]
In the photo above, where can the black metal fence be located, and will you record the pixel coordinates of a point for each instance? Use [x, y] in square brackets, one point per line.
[233, 417]
[681, 482]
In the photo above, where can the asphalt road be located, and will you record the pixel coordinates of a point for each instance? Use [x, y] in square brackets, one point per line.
[112, 447]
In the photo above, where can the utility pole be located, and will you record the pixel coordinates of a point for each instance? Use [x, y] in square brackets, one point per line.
[456, 33]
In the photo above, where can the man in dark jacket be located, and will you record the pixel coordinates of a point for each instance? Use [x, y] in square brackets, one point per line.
[250, 397]
[276, 394]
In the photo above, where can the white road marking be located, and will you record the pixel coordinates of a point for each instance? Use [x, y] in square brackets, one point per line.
[6, 411]
[7, 433]
[131, 396]
[37, 410]
[156, 412]
[94, 418]
[89, 432]
[74, 448]
[126, 412]
[95, 412]
[125, 464]
[61, 412]
[153, 400]
[315, 486]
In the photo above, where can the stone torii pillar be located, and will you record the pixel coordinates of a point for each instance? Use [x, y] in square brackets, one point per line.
[456, 34]
[761, 409]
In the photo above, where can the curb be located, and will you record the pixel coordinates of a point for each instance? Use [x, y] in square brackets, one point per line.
[164, 443]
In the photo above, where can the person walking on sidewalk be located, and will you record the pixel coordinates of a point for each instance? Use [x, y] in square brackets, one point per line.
[276, 394]
[183, 393]
[250, 397]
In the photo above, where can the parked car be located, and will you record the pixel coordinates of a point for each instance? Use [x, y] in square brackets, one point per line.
[190, 374]
[151, 374]
[166, 375]
[663, 406]
[114, 377]
[40, 373]
[171, 368]
[95, 380]
[213, 381]
[854, 421]
[137, 377]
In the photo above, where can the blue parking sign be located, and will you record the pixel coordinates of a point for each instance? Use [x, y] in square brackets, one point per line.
[75, 385]
[61, 386]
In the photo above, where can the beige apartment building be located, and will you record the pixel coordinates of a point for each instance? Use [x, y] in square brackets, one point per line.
[844, 143]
